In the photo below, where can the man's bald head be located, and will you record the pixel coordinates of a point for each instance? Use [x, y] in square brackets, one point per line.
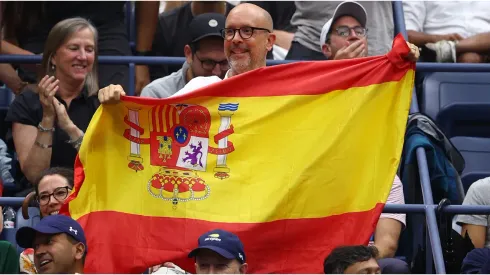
[249, 53]
[259, 15]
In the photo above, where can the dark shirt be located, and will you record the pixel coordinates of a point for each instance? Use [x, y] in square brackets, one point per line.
[281, 13]
[27, 109]
[171, 35]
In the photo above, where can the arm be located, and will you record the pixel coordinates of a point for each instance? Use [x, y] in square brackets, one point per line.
[477, 233]
[420, 38]
[9, 48]
[147, 20]
[386, 237]
[10, 77]
[476, 225]
[33, 159]
[284, 39]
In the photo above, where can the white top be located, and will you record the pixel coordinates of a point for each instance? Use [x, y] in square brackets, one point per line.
[199, 82]
[465, 18]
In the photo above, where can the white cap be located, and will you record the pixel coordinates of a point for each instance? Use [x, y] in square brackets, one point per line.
[353, 9]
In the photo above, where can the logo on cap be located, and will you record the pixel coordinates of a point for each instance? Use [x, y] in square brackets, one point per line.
[213, 237]
[213, 23]
[73, 230]
[240, 256]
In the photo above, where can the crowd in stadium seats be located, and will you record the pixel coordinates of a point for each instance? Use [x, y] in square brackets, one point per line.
[55, 101]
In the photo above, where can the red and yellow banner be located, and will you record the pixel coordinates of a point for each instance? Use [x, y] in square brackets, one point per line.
[295, 159]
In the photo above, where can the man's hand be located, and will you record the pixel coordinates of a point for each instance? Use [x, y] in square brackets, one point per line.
[142, 74]
[354, 50]
[414, 54]
[111, 94]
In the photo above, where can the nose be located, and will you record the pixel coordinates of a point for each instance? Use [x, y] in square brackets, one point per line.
[212, 270]
[217, 70]
[82, 55]
[40, 250]
[237, 38]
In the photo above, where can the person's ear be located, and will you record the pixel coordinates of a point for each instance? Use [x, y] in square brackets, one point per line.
[327, 50]
[188, 54]
[243, 268]
[270, 41]
[79, 251]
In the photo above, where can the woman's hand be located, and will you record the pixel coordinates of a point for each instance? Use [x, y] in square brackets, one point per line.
[64, 121]
[48, 86]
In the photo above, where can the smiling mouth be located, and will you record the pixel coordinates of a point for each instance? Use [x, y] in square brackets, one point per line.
[44, 263]
[78, 66]
[54, 213]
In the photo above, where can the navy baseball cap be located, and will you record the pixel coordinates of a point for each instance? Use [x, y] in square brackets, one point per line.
[206, 25]
[53, 224]
[222, 242]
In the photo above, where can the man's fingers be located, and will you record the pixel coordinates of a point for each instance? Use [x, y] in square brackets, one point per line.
[357, 51]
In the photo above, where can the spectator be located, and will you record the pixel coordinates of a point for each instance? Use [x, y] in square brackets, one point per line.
[311, 15]
[218, 252]
[172, 33]
[344, 35]
[204, 56]
[8, 258]
[59, 245]
[453, 30]
[51, 189]
[28, 23]
[477, 261]
[248, 37]
[477, 226]
[48, 124]
[352, 260]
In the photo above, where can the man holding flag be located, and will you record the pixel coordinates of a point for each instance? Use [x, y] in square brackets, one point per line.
[258, 155]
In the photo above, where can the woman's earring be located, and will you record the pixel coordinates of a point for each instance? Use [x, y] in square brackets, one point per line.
[53, 67]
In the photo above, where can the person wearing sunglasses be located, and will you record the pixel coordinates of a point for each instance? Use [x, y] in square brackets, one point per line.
[51, 189]
[344, 36]
[204, 57]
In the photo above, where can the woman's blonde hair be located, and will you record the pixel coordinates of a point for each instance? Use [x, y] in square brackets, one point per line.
[57, 36]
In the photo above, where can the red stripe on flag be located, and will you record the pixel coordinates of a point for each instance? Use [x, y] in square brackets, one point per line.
[285, 246]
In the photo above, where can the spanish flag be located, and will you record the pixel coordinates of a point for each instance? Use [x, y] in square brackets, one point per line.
[295, 159]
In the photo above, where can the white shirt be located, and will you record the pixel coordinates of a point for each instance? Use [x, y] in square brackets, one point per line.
[199, 82]
[466, 18]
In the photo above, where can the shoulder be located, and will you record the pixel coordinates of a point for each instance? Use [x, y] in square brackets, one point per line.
[171, 16]
[26, 104]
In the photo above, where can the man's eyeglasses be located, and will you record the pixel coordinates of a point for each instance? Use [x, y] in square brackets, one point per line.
[245, 32]
[208, 64]
[345, 31]
[59, 194]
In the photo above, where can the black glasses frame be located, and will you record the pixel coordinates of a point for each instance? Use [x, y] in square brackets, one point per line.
[210, 62]
[68, 189]
[241, 32]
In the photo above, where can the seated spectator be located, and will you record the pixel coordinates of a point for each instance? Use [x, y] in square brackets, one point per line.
[455, 31]
[204, 57]
[477, 225]
[48, 124]
[245, 47]
[311, 15]
[59, 245]
[344, 35]
[8, 258]
[172, 33]
[352, 260]
[51, 189]
[27, 25]
[218, 252]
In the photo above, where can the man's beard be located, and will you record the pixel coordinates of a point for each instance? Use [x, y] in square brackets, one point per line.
[241, 65]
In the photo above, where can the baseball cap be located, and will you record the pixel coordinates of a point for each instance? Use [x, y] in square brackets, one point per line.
[53, 224]
[353, 9]
[206, 25]
[222, 242]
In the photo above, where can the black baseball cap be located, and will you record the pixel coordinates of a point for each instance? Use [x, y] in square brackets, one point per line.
[206, 25]
[53, 224]
[222, 242]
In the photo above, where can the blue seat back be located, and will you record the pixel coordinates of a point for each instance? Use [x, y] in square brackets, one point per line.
[458, 102]
[34, 218]
[476, 153]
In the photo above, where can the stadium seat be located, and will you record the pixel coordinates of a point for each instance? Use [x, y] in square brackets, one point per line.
[34, 218]
[476, 153]
[458, 102]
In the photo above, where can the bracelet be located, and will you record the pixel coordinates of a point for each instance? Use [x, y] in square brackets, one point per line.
[76, 143]
[44, 146]
[42, 129]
